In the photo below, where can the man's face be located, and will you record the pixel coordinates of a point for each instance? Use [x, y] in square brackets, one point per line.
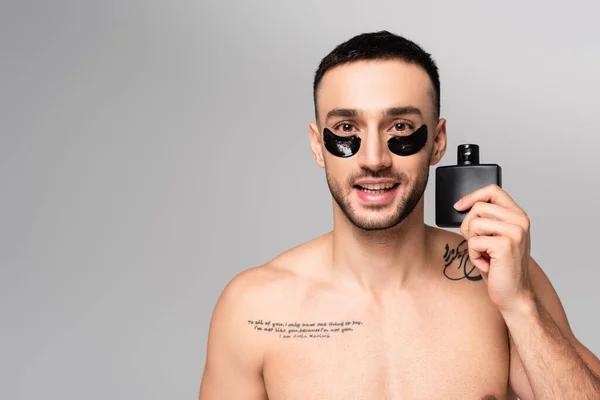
[376, 100]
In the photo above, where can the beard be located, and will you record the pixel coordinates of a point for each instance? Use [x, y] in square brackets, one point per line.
[410, 198]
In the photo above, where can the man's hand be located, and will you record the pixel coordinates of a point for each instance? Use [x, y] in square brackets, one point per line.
[497, 231]
[542, 349]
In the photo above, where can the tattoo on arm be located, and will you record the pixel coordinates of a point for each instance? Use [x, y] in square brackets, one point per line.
[458, 265]
[305, 330]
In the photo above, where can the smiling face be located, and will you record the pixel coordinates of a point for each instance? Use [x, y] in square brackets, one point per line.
[375, 101]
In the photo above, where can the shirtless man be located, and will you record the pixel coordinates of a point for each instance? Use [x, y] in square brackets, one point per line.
[385, 306]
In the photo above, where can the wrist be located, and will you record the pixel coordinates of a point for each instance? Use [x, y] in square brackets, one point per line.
[524, 307]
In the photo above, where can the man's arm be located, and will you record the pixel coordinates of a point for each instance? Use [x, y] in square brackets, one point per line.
[547, 361]
[233, 360]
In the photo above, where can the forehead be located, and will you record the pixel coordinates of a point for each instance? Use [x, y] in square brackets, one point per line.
[373, 85]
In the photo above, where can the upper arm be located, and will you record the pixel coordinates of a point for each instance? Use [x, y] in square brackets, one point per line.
[549, 299]
[233, 368]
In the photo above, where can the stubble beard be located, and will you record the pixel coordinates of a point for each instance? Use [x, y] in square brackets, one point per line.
[408, 202]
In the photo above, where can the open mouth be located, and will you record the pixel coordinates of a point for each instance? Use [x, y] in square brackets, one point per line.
[379, 188]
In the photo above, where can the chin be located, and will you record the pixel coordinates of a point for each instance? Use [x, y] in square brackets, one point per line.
[370, 223]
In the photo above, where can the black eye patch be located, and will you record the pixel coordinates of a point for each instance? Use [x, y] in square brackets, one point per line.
[409, 145]
[347, 146]
[341, 146]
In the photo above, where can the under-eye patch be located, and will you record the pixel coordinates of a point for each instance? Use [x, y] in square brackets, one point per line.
[341, 146]
[347, 146]
[408, 145]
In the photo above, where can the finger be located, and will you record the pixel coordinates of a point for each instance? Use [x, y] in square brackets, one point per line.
[493, 211]
[477, 250]
[484, 275]
[494, 246]
[489, 194]
[493, 227]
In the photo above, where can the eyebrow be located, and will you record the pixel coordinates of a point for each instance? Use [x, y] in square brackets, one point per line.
[389, 112]
[397, 111]
[341, 112]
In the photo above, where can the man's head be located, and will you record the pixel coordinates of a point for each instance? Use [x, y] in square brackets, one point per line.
[376, 87]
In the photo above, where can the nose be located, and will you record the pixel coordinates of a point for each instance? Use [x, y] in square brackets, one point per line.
[374, 153]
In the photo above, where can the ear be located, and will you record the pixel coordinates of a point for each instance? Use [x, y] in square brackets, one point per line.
[316, 144]
[439, 142]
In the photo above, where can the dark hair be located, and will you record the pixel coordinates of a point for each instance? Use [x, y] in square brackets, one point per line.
[381, 45]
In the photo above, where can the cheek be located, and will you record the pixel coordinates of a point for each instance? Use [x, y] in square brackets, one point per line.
[414, 162]
[412, 166]
[339, 169]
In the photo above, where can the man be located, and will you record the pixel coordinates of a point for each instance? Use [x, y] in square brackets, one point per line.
[384, 306]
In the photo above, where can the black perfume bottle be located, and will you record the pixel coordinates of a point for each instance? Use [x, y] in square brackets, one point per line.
[454, 181]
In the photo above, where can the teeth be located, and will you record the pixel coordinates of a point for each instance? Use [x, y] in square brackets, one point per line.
[378, 186]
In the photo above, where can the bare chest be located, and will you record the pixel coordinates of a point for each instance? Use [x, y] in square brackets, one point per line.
[450, 350]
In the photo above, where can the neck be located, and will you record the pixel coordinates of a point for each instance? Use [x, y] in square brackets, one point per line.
[380, 260]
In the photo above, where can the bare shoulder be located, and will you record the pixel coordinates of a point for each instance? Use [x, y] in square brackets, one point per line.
[240, 330]
[265, 292]
[458, 281]
[441, 236]
[260, 283]
[452, 251]
[265, 288]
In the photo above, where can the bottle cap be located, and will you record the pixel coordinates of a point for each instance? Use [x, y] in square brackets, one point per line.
[468, 154]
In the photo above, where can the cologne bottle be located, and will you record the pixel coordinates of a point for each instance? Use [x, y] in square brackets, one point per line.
[454, 181]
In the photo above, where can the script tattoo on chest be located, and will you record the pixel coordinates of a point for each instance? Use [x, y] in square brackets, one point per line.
[305, 330]
[458, 265]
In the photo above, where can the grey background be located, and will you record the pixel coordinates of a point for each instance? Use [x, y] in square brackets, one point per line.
[149, 151]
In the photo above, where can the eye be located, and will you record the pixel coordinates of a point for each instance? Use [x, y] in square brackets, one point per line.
[403, 126]
[345, 127]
